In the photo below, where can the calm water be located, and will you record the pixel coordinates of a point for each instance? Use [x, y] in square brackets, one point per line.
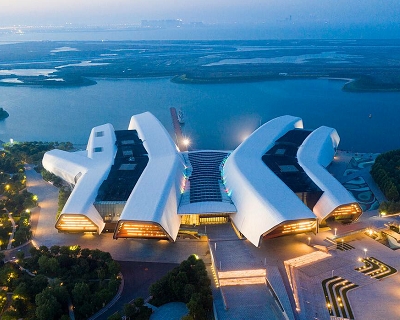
[218, 116]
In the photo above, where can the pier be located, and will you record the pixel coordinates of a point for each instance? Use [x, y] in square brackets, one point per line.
[178, 131]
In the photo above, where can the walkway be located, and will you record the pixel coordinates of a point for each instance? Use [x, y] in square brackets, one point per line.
[245, 294]
[10, 241]
[170, 311]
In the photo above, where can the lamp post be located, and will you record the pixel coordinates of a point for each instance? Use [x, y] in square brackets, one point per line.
[342, 245]
[309, 239]
[186, 142]
[335, 231]
[365, 252]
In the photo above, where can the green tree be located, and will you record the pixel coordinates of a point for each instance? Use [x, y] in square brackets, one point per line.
[55, 250]
[115, 316]
[130, 310]
[195, 307]
[39, 283]
[80, 293]
[47, 306]
[21, 291]
[21, 306]
[392, 193]
[48, 265]
[139, 302]
[113, 267]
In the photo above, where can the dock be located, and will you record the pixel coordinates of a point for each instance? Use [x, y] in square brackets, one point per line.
[177, 129]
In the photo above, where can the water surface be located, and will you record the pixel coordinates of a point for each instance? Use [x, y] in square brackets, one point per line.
[218, 116]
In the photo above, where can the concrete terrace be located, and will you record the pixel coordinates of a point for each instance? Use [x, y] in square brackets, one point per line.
[232, 255]
[343, 263]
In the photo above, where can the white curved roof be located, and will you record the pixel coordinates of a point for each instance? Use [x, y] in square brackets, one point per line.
[314, 155]
[262, 200]
[156, 195]
[93, 166]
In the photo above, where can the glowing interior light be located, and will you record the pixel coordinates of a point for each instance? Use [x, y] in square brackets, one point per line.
[75, 223]
[242, 277]
[132, 229]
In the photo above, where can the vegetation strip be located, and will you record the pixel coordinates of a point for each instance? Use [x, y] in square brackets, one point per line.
[327, 299]
[386, 174]
[375, 268]
[331, 301]
[338, 297]
[335, 291]
[346, 300]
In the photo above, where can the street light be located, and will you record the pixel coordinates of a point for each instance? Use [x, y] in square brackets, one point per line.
[365, 252]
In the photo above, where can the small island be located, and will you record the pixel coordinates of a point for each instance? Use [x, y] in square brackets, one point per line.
[3, 114]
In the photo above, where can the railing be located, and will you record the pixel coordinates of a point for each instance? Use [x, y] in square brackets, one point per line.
[215, 271]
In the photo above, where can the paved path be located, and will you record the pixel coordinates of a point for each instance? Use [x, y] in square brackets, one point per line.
[138, 276]
[170, 311]
[14, 227]
[245, 301]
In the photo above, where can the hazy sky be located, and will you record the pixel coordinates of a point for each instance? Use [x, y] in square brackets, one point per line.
[336, 12]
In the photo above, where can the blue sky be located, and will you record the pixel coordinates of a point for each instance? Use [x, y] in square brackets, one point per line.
[335, 12]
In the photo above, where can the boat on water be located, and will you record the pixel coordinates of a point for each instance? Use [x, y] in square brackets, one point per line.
[181, 119]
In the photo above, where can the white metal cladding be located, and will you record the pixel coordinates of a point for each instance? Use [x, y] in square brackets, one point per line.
[156, 195]
[262, 200]
[92, 167]
[314, 155]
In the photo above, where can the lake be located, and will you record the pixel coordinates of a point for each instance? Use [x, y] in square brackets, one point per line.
[218, 116]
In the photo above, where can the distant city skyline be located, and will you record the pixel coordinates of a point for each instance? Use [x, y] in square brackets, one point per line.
[346, 13]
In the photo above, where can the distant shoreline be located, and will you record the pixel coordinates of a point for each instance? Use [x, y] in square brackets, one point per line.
[75, 63]
[359, 85]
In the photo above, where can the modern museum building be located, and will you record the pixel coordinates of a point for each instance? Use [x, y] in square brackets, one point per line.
[137, 184]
